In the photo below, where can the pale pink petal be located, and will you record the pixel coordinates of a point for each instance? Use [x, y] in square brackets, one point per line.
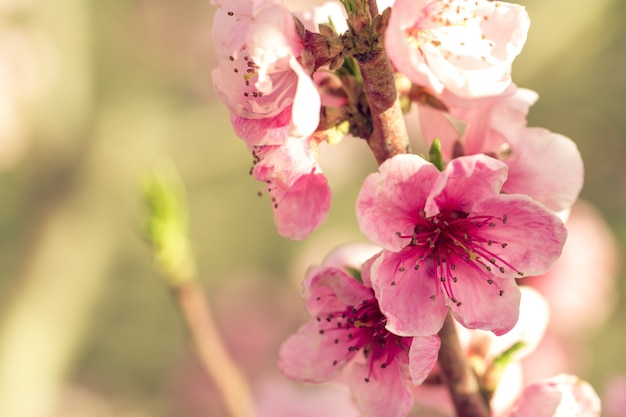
[305, 110]
[386, 393]
[534, 314]
[278, 397]
[262, 132]
[309, 356]
[465, 181]
[303, 207]
[464, 47]
[330, 11]
[406, 298]
[546, 166]
[591, 250]
[482, 302]
[389, 201]
[351, 256]
[510, 386]
[423, 357]
[329, 289]
[562, 395]
[437, 124]
[527, 238]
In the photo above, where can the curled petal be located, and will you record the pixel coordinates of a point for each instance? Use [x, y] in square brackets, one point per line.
[465, 181]
[423, 357]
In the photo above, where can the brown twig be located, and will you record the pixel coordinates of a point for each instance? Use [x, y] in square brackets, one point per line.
[232, 385]
[389, 136]
[457, 375]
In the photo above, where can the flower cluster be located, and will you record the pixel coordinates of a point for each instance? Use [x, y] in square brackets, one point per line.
[453, 233]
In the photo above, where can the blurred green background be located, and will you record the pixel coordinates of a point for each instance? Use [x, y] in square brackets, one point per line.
[102, 91]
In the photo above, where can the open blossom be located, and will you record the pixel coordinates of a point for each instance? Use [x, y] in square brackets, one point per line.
[544, 165]
[299, 191]
[464, 47]
[348, 332]
[452, 241]
[259, 75]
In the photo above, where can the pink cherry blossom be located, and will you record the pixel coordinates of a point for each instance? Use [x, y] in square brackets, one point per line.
[588, 265]
[562, 395]
[544, 165]
[299, 191]
[464, 47]
[347, 332]
[452, 242]
[259, 75]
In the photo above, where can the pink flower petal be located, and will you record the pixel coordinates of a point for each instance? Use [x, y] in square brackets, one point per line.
[465, 181]
[386, 393]
[309, 356]
[405, 297]
[557, 396]
[527, 238]
[303, 207]
[546, 166]
[483, 305]
[389, 200]
[329, 289]
[423, 357]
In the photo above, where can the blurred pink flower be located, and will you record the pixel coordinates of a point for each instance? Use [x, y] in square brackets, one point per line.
[562, 395]
[452, 241]
[544, 165]
[259, 75]
[348, 332]
[466, 48]
[614, 398]
[589, 265]
[282, 398]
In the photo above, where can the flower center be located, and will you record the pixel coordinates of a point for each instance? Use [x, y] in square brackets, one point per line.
[362, 328]
[454, 237]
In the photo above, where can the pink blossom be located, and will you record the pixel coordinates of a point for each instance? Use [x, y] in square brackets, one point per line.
[348, 333]
[464, 47]
[299, 191]
[614, 398]
[544, 165]
[562, 395]
[259, 75]
[588, 265]
[282, 398]
[452, 241]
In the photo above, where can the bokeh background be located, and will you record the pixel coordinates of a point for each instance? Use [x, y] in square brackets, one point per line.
[94, 94]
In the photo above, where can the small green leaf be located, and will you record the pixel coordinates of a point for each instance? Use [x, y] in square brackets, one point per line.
[355, 273]
[507, 356]
[434, 154]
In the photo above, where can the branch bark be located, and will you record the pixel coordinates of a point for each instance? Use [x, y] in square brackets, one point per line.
[457, 375]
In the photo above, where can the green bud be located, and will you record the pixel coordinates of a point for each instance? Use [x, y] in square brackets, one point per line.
[166, 224]
[434, 154]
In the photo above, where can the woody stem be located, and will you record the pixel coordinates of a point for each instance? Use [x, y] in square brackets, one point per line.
[457, 375]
